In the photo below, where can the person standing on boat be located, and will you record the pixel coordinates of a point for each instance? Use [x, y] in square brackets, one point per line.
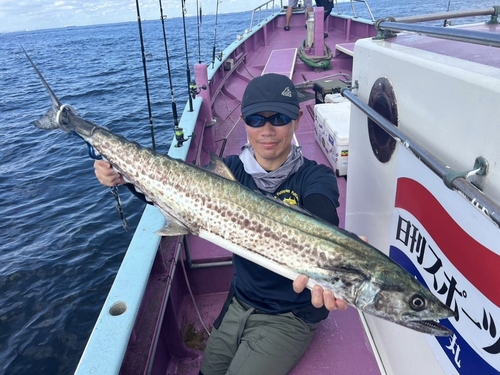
[289, 11]
[268, 322]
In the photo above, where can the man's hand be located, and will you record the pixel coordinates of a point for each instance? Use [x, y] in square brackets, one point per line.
[319, 297]
[106, 174]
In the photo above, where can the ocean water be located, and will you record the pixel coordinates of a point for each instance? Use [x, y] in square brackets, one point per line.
[61, 239]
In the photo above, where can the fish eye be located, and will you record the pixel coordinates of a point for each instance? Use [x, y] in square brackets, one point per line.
[417, 302]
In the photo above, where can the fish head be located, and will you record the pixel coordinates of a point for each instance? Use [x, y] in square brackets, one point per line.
[395, 295]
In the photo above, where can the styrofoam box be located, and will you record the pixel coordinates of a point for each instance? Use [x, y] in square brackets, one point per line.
[331, 123]
[334, 98]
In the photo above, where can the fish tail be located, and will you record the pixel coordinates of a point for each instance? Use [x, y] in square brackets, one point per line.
[47, 121]
[57, 119]
[60, 116]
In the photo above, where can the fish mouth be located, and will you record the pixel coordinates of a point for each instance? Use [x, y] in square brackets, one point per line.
[430, 327]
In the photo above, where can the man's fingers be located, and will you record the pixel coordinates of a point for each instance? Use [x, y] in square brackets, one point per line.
[329, 300]
[300, 283]
[317, 296]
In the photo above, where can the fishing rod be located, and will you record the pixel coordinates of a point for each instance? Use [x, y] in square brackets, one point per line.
[167, 55]
[215, 32]
[151, 126]
[445, 22]
[188, 71]
[199, 24]
[178, 131]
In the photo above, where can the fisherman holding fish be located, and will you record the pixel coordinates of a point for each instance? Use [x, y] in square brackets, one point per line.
[268, 322]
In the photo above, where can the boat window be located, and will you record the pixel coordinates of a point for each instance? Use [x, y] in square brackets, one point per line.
[383, 100]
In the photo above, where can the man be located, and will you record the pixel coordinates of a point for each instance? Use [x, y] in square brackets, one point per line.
[268, 322]
[289, 11]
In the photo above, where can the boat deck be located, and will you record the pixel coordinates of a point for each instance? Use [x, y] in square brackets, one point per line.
[340, 339]
[167, 336]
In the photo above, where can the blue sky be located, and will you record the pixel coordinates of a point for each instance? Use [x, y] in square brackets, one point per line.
[17, 15]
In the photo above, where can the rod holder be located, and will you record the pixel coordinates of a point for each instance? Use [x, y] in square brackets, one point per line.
[480, 169]
[384, 33]
[494, 17]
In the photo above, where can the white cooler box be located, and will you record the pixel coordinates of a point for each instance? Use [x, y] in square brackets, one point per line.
[331, 123]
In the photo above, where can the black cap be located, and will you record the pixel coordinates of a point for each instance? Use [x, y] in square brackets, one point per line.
[270, 93]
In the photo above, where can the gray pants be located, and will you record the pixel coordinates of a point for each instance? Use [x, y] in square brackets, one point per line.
[253, 343]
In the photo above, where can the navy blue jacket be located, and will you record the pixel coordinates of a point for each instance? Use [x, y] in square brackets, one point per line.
[314, 188]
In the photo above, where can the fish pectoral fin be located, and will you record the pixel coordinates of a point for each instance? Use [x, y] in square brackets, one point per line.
[172, 230]
[173, 227]
[218, 167]
[347, 271]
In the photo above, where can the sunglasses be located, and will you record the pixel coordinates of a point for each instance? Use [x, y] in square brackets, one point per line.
[258, 121]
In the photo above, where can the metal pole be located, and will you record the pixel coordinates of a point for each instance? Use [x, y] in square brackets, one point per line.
[475, 196]
[462, 35]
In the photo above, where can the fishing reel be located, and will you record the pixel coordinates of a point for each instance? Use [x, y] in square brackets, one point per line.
[179, 136]
[194, 90]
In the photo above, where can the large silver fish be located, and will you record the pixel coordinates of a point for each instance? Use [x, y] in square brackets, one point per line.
[209, 203]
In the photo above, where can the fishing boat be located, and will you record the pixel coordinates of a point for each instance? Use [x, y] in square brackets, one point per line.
[406, 115]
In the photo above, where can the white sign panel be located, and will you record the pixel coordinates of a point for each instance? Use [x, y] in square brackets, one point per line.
[450, 246]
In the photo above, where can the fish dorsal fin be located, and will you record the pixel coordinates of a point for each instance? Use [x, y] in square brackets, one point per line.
[218, 167]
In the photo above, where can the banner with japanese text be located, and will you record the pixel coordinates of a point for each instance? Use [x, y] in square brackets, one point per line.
[454, 249]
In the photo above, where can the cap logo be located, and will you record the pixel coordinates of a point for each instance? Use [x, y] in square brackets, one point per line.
[286, 92]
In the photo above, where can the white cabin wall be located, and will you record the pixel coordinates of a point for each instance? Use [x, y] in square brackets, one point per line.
[370, 200]
[454, 118]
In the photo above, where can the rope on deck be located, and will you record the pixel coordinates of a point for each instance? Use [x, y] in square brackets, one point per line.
[322, 62]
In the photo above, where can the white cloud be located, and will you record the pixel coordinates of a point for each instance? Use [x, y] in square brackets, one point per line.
[42, 14]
